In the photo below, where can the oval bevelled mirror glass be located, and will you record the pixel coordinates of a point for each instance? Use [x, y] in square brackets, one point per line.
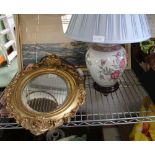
[45, 93]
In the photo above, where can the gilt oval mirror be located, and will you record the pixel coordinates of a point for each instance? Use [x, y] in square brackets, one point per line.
[45, 95]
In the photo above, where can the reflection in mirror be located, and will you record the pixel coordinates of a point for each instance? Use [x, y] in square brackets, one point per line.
[45, 93]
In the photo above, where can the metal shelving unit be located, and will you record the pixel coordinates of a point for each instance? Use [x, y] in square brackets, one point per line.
[120, 107]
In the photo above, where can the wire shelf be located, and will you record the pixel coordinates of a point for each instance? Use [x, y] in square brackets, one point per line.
[120, 107]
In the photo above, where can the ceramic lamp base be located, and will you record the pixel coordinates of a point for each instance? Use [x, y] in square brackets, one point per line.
[106, 64]
[106, 90]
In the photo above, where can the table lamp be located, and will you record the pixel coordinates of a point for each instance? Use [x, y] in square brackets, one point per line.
[106, 59]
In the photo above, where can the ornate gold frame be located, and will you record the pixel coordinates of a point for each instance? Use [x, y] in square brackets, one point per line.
[39, 122]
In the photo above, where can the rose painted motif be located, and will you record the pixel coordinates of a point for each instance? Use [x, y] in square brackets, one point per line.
[117, 55]
[115, 74]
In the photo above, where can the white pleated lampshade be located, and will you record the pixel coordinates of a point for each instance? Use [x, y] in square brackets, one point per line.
[109, 28]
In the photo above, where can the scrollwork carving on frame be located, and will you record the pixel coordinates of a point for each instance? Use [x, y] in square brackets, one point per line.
[40, 121]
